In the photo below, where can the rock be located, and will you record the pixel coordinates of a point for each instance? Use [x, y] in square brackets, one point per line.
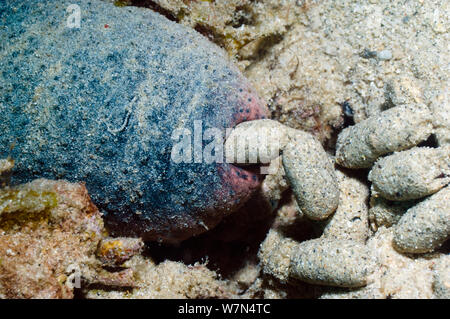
[115, 251]
[107, 104]
[168, 280]
[47, 231]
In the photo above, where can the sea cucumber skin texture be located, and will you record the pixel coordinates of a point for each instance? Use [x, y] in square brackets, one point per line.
[411, 174]
[396, 129]
[99, 104]
[426, 226]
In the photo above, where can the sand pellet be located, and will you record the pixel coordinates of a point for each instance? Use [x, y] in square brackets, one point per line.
[311, 175]
[328, 262]
[308, 168]
[396, 129]
[411, 174]
[440, 107]
[275, 255]
[383, 212]
[425, 226]
[274, 183]
[441, 283]
[350, 221]
[253, 142]
[341, 263]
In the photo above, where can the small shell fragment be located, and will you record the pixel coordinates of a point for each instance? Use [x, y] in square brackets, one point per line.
[115, 251]
[6, 165]
[311, 175]
[425, 226]
[396, 129]
[341, 263]
[411, 174]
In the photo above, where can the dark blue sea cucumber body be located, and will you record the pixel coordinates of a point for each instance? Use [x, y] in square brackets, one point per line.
[99, 104]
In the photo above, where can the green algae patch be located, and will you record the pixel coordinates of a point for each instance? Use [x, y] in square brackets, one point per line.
[121, 3]
[25, 206]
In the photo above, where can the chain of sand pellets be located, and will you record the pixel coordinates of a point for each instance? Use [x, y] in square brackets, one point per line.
[339, 257]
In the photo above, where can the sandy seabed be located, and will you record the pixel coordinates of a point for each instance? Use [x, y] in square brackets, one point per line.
[319, 65]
